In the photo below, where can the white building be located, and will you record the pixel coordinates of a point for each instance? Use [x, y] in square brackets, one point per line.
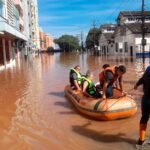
[106, 39]
[12, 35]
[15, 30]
[129, 17]
[128, 34]
[34, 39]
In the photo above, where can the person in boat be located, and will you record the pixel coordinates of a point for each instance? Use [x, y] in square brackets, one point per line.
[145, 103]
[103, 68]
[116, 82]
[108, 77]
[75, 78]
[89, 89]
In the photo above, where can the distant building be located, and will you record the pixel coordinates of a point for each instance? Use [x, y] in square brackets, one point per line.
[128, 34]
[32, 25]
[128, 17]
[126, 37]
[19, 33]
[128, 40]
[45, 40]
[106, 39]
[12, 35]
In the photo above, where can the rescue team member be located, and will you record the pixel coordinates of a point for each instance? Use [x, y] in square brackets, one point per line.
[108, 77]
[75, 78]
[89, 88]
[103, 68]
[145, 104]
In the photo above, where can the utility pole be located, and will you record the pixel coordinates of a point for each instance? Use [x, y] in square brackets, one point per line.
[143, 32]
[94, 26]
[82, 41]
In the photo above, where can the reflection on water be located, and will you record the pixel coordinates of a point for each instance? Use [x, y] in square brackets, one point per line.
[35, 115]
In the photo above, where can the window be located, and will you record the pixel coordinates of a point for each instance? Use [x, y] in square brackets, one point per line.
[15, 22]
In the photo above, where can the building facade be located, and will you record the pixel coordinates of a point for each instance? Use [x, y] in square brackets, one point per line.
[106, 39]
[16, 35]
[46, 40]
[33, 38]
[128, 35]
[12, 37]
[126, 40]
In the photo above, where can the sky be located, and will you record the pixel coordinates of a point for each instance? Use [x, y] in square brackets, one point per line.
[58, 17]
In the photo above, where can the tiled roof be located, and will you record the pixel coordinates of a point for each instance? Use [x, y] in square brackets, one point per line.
[133, 27]
[136, 27]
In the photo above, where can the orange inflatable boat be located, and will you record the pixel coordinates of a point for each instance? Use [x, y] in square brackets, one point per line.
[109, 109]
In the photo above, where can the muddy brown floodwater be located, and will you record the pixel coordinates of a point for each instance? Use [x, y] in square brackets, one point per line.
[35, 115]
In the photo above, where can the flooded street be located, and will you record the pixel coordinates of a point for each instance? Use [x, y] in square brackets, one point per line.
[35, 115]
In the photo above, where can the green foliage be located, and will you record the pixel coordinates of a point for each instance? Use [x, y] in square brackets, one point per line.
[50, 49]
[68, 43]
[93, 38]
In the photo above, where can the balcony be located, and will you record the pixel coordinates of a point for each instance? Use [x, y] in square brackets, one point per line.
[18, 4]
[7, 28]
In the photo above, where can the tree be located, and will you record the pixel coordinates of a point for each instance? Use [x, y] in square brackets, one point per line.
[92, 38]
[50, 49]
[68, 43]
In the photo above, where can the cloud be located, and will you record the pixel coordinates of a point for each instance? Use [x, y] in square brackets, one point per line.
[51, 18]
[73, 16]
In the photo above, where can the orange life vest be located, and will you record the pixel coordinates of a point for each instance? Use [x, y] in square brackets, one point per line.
[103, 73]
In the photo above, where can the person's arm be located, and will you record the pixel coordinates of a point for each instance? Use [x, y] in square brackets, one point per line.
[139, 82]
[104, 89]
[108, 78]
[120, 84]
[77, 85]
[76, 82]
[116, 84]
[85, 85]
[121, 88]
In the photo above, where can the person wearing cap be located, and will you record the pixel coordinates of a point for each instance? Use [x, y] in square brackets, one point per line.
[108, 77]
[145, 103]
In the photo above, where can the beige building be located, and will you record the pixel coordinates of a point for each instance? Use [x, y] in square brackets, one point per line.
[45, 41]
